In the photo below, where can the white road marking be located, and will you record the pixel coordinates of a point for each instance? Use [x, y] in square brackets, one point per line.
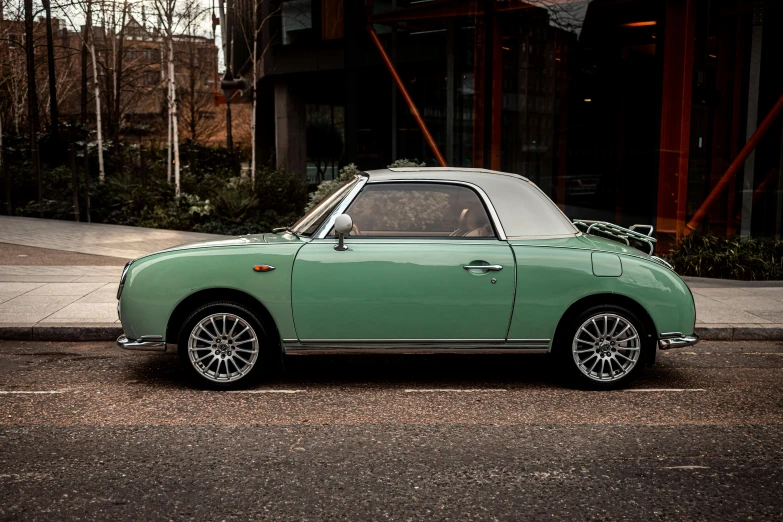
[454, 390]
[31, 392]
[666, 390]
[266, 391]
[686, 467]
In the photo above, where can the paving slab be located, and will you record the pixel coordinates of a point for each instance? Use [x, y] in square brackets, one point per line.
[70, 300]
[92, 238]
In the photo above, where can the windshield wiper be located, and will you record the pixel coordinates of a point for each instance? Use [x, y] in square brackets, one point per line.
[284, 229]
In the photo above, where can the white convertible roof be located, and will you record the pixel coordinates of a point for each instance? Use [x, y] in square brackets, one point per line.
[525, 212]
[440, 173]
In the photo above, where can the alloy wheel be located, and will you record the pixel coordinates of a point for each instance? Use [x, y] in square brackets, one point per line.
[606, 347]
[223, 347]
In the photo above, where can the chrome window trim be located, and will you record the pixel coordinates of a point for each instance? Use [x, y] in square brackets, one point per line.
[327, 225]
[122, 278]
[501, 235]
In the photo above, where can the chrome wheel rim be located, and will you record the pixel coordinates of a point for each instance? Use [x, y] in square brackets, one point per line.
[223, 347]
[606, 347]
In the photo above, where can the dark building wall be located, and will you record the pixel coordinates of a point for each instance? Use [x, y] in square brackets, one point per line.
[595, 102]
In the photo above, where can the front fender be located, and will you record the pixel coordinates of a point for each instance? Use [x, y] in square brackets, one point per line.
[156, 284]
[662, 293]
[551, 277]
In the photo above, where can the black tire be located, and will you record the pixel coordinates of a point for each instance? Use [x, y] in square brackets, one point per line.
[604, 349]
[257, 330]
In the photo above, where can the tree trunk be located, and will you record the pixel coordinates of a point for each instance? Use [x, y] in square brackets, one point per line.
[74, 180]
[5, 172]
[143, 165]
[173, 111]
[84, 65]
[54, 116]
[87, 178]
[168, 140]
[253, 108]
[192, 80]
[118, 81]
[32, 100]
[99, 134]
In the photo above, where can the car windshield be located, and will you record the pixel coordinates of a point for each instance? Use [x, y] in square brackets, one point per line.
[311, 221]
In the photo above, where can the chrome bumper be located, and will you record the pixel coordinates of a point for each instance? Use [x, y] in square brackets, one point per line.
[149, 343]
[678, 342]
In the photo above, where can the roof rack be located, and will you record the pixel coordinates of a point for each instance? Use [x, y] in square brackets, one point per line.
[618, 233]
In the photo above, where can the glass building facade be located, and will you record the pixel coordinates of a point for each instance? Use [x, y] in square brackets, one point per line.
[629, 111]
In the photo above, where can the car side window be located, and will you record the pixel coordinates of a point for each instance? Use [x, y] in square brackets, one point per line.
[419, 210]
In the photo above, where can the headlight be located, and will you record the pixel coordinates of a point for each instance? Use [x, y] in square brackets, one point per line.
[122, 279]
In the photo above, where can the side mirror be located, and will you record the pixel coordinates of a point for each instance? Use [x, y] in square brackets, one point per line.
[343, 225]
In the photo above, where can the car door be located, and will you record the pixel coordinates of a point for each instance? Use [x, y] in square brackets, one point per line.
[414, 270]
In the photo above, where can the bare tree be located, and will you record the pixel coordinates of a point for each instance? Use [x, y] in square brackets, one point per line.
[113, 40]
[88, 41]
[568, 15]
[198, 59]
[13, 61]
[251, 35]
[32, 99]
[165, 10]
[53, 112]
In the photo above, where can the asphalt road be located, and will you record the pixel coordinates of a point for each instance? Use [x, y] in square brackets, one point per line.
[90, 432]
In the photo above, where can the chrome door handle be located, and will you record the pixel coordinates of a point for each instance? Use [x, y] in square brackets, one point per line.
[491, 268]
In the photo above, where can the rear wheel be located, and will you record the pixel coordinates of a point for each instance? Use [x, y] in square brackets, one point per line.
[604, 347]
[221, 345]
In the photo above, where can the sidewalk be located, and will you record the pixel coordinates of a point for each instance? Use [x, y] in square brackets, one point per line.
[78, 302]
[47, 302]
[41, 300]
[92, 238]
[737, 310]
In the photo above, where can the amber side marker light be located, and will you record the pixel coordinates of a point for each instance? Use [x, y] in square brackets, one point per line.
[263, 268]
[640, 24]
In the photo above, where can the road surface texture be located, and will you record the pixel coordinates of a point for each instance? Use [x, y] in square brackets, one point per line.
[88, 431]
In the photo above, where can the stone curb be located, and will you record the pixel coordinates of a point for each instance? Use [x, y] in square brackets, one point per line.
[65, 332]
[110, 332]
[740, 332]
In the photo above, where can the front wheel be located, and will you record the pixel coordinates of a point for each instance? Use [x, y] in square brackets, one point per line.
[220, 344]
[604, 347]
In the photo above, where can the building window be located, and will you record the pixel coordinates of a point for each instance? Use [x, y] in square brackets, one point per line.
[297, 17]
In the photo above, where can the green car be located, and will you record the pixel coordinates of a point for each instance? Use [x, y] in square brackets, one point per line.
[414, 260]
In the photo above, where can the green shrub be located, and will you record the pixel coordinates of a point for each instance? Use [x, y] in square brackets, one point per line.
[280, 191]
[728, 258]
[327, 188]
[404, 162]
[236, 201]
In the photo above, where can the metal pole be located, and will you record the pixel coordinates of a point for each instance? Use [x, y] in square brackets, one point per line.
[406, 96]
[753, 112]
[450, 88]
[728, 176]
